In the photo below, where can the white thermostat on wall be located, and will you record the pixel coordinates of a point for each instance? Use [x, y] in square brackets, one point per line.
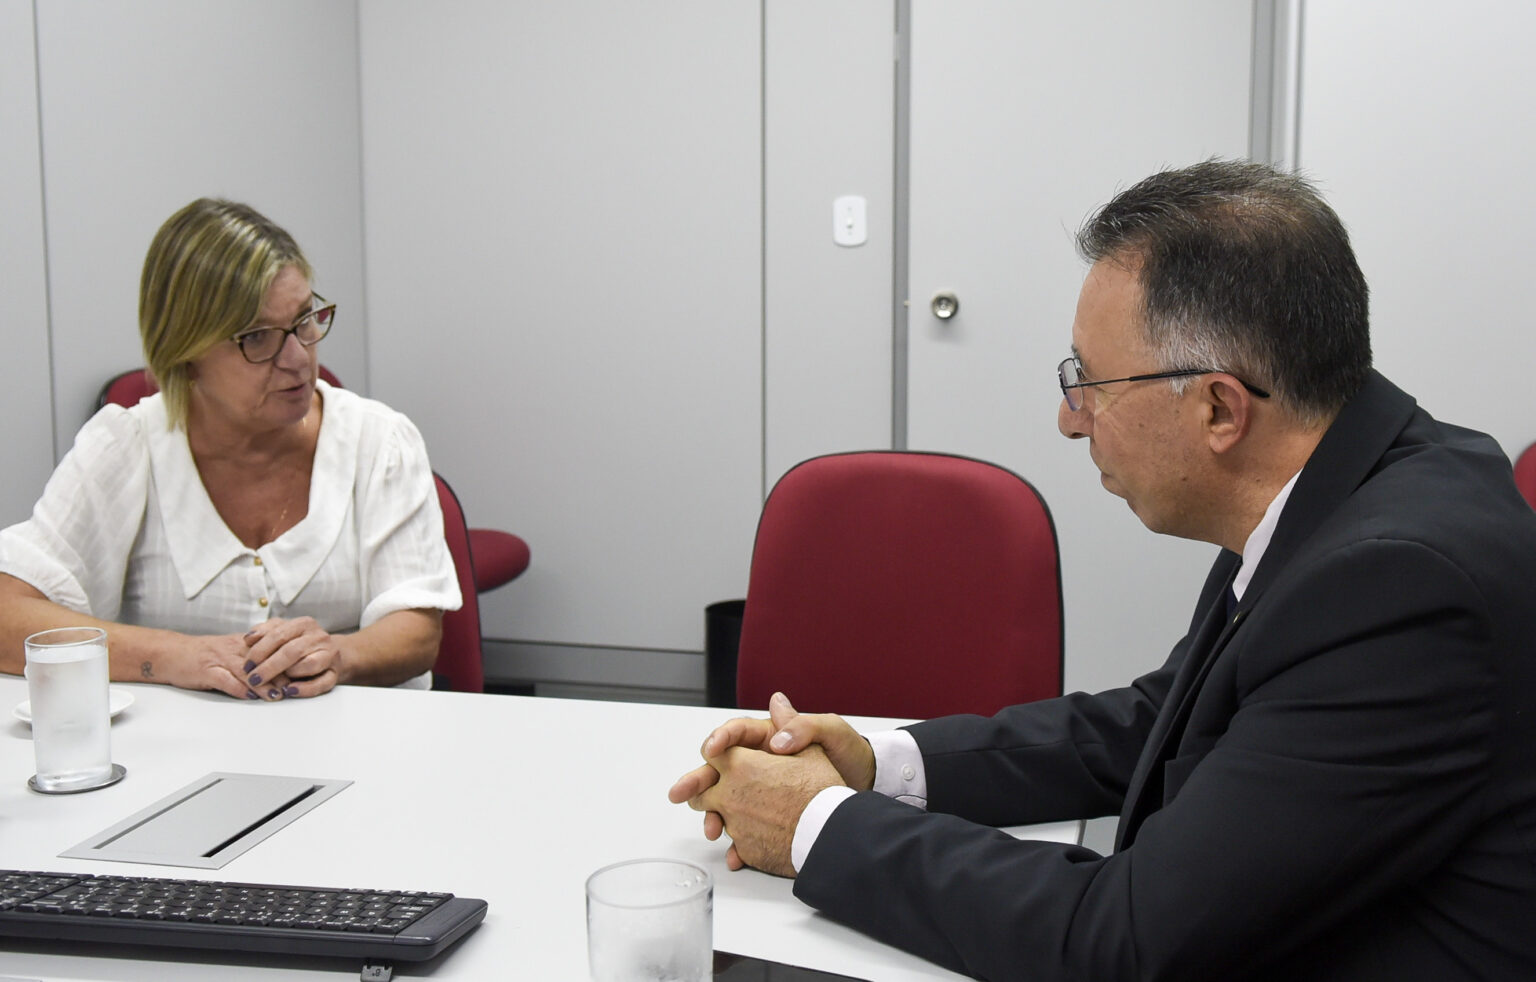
[848, 220]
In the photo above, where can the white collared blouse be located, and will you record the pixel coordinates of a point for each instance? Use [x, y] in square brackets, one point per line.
[126, 532]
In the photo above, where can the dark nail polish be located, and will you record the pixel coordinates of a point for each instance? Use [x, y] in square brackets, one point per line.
[291, 690]
[248, 666]
[274, 694]
[251, 695]
[255, 680]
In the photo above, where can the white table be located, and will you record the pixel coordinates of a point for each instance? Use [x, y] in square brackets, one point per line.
[514, 800]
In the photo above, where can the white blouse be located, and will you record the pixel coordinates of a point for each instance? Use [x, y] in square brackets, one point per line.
[125, 530]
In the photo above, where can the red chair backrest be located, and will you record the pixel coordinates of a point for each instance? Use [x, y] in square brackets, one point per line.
[901, 584]
[127, 388]
[460, 660]
[1525, 474]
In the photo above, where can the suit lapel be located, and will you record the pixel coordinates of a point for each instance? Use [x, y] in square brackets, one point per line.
[1348, 453]
[1144, 795]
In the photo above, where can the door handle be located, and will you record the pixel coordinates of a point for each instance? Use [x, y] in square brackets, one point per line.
[944, 305]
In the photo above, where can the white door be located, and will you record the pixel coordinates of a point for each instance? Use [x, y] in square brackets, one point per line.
[1025, 117]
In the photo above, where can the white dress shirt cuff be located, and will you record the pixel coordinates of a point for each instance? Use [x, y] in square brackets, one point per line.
[812, 819]
[899, 769]
[899, 774]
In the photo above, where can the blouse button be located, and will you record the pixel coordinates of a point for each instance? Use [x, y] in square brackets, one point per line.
[258, 560]
[262, 601]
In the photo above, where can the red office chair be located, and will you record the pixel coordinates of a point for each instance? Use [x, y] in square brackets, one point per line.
[902, 584]
[460, 663]
[500, 557]
[1525, 474]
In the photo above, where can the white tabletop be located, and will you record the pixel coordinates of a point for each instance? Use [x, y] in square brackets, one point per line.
[514, 800]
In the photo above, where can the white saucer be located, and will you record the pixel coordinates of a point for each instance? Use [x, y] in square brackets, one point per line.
[117, 701]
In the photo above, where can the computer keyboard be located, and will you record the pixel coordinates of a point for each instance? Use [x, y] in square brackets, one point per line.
[375, 925]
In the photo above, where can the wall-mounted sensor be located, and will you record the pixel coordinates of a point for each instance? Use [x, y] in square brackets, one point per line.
[848, 221]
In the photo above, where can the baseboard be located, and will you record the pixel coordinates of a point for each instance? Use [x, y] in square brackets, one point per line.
[592, 672]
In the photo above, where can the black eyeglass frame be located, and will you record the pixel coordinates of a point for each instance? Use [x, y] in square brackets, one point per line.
[325, 307]
[1073, 360]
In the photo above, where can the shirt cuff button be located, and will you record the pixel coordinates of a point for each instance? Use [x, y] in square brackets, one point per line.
[908, 772]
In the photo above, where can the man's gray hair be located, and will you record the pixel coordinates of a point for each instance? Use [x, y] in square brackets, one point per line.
[1243, 269]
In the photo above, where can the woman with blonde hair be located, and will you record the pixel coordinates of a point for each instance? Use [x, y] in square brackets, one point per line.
[249, 528]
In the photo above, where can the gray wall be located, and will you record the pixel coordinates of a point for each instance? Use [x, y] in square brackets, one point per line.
[565, 258]
[1416, 120]
[144, 107]
[25, 400]
[599, 270]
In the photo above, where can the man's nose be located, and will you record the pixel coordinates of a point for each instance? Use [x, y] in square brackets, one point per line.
[1073, 423]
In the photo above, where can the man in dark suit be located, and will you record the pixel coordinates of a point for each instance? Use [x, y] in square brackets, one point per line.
[1334, 774]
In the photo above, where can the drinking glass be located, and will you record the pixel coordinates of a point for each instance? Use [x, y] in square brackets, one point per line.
[649, 920]
[71, 723]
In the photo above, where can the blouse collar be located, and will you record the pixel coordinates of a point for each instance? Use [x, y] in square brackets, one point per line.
[202, 546]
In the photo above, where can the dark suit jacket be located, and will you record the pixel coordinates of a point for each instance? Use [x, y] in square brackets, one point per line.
[1337, 783]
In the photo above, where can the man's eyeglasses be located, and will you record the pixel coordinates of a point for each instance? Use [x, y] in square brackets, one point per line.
[264, 343]
[1070, 374]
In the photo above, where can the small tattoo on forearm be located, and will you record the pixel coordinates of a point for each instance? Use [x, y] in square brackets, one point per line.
[147, 669]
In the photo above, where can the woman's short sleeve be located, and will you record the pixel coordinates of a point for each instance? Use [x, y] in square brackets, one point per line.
[403, 557]
[75, 547]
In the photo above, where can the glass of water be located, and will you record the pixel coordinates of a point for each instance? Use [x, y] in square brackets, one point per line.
[650, 920]
[71, 723]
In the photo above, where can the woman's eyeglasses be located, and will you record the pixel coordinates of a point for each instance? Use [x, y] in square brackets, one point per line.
[264, 343]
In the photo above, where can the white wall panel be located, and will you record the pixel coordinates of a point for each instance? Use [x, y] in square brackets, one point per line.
[829, 114]
[25, 408]
[564, 256]
[1416, 123]
[148, 105]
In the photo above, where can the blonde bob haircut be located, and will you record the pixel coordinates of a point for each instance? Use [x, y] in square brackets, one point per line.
[206, 273]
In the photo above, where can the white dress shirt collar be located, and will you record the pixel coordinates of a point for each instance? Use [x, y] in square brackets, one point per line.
[1258, 539]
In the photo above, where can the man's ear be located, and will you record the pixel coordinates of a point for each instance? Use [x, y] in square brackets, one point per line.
[1227, 411]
